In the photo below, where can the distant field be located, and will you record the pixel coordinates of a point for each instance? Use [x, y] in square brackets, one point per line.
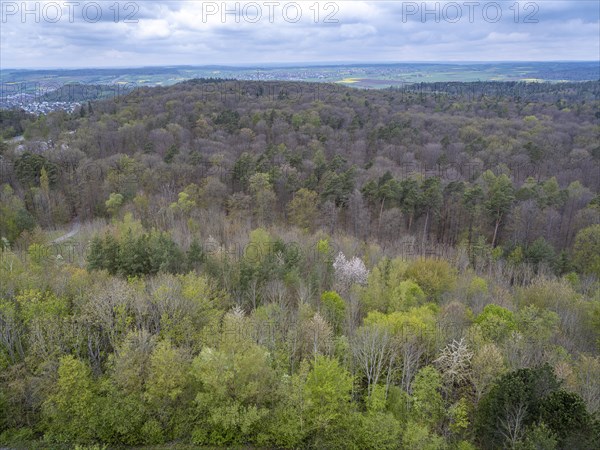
[360, 75]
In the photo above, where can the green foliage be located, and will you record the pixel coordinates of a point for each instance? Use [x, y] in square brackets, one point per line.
[586, 251]
[417, 435]
[170, 154]
[385, 277]
[243, 169]
[527, 397]
[537, 325]
[37, 127]
[434, 276]
[195, 255]
[337, 186]
[334, 308]
[538, 436]
[185, 203]
[69, 412]
[565, 414]
[499, 193]
[132, 255]
[378, 429]
[327, 395]
[496, 323]
[459, 416]
[14, 218]
[120, 415]
[237, 386]
[406, 295]
[229, 119]
[417, 323]
[144, 348]
[303, 209]
[114, 203]
[167, 376]
[540, 252]
[477, 286]
[29, 166]
[427, 401]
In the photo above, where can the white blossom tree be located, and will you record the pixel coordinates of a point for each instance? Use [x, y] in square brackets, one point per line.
[455, 362]
[348, 272]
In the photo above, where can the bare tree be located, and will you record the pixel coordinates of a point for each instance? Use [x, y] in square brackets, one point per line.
[316, 337]
[372, 349]
[512, 424]
[455, 363]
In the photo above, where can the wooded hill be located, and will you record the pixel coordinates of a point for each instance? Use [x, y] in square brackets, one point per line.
[297, 265]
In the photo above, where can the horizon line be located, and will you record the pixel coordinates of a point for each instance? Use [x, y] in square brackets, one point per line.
[298, 64]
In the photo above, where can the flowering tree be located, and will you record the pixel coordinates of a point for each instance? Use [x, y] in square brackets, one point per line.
[455, 362]
[349, 272]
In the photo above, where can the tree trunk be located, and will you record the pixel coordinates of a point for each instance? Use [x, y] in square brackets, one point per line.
[425, 228]
[496, 232]
[380, 214]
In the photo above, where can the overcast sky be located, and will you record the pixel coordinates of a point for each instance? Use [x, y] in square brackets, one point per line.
[91, 34]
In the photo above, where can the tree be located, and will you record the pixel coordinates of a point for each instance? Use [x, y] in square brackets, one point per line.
[327, 392]
[540, 252]
[587, 385]
[565, 414]
[167, 387]
[374, 352]
[419, 436]
[407, 294]
[434, 276]
[454, 363]
[538, 436]
[348, 272]
[195, 255]
[499, 197]
[184, 204]
[427, 401]
[237, 386]
[410, 199]
[229, 119]
[28, 168]
[114, 202]
[303, 209]
[472, 200]
[384, 291]
[315, 335]
[487, 364]
[243, 169]
[432, 200]
[334, 309]
[386, 188]
[263, 195]
[513, 404]
[14, 217]
[586, 251]
[287, 425]
[378, 428]
[496, 323]
[70, 411]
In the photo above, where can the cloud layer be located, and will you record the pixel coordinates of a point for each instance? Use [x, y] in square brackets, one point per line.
[108, 33]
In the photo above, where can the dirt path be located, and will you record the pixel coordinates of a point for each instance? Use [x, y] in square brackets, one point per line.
[69, 235]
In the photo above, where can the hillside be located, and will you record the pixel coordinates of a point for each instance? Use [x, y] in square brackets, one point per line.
[301, 265]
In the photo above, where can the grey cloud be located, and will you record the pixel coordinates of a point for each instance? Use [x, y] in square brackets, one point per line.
[172, 33]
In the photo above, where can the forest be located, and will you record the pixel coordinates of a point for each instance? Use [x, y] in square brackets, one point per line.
[282, 265]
